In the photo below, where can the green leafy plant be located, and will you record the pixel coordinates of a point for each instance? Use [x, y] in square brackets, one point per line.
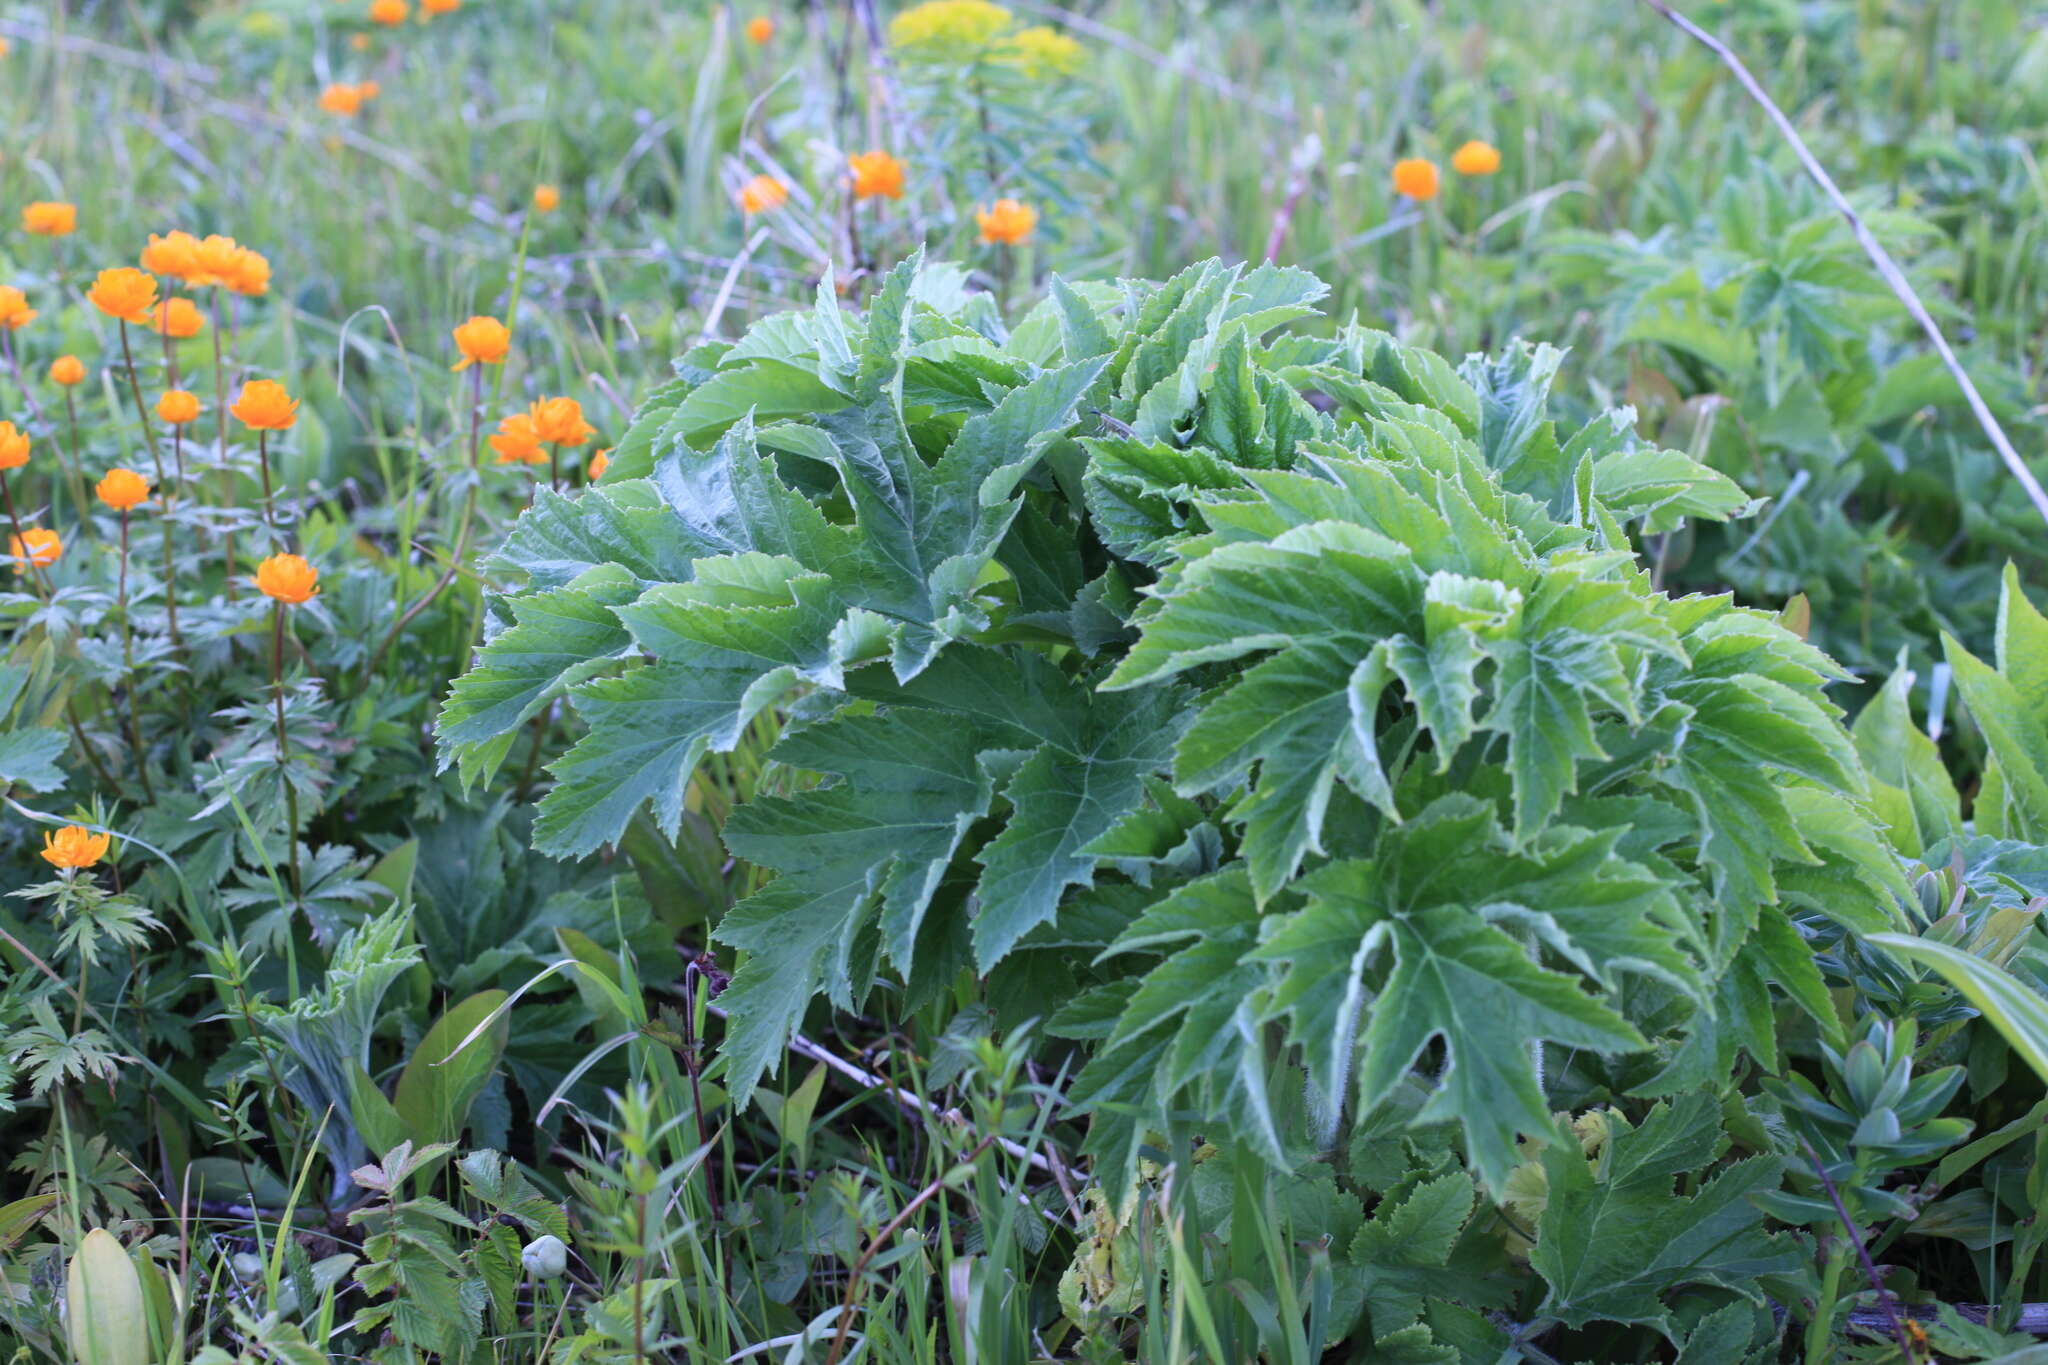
[1298, 706]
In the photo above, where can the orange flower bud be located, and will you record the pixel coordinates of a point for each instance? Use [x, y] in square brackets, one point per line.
[369, 90]
[482, 341]
[175, 254]
[876, 175]
[760, 28]
[263, 405]
[1007, 222]
[13, 447]
[559, 421]
[288, 578]
[1417, 178]
[14, 310]
[440, 6]
[124, 293]
[34, 545]
[516, 441]
[122, 489]
[1476, 158]
[75, 846]
[177, 318]
[598, 464]
[389, 13]
[762, 193]
[67, 370]
[50, 219]
[178, 406]
[546, 198]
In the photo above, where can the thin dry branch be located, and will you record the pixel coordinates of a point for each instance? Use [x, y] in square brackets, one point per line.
[1886, 267]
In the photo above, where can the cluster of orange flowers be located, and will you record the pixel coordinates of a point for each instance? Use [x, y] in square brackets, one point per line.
[1418, 178]
[554, 422]
[202, 261]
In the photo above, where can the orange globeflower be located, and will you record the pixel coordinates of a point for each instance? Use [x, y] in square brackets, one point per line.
[389, 13]
[251, 274]
[762, 193]
[1476, 158]
[876, 175]
[50, 219]
[14, 309]
[341, 99]
[598, 464]
[67, 370]
[1417, 178]
[34, 546]
[124, 293]
[482, 341]
[263, 405]
[369, 90]
[516, 441]
[177, 318]
[288, 578]
[178, 406]
[13, 447]
[440, 6]
[546, 198]
[1007, 222]
[175, 254]
[122, 489]
[215, 260]
[559, 421]
[760, 28]
[74, 846]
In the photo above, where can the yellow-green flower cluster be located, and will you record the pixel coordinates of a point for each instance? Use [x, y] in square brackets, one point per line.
[949, 24]
[966, 30]
[1041, 51]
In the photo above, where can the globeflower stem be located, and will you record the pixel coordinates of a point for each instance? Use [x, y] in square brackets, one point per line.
[220, 429]
[291, 797]
[71, 469]
[128, 667]
[263, 458]
[141, 412]
[14, 364]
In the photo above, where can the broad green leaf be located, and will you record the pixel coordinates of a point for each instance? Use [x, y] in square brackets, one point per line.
[1615, 1237]
[448, 1069]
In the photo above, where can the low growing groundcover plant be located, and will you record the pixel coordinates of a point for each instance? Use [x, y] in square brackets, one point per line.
[1283, 732]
